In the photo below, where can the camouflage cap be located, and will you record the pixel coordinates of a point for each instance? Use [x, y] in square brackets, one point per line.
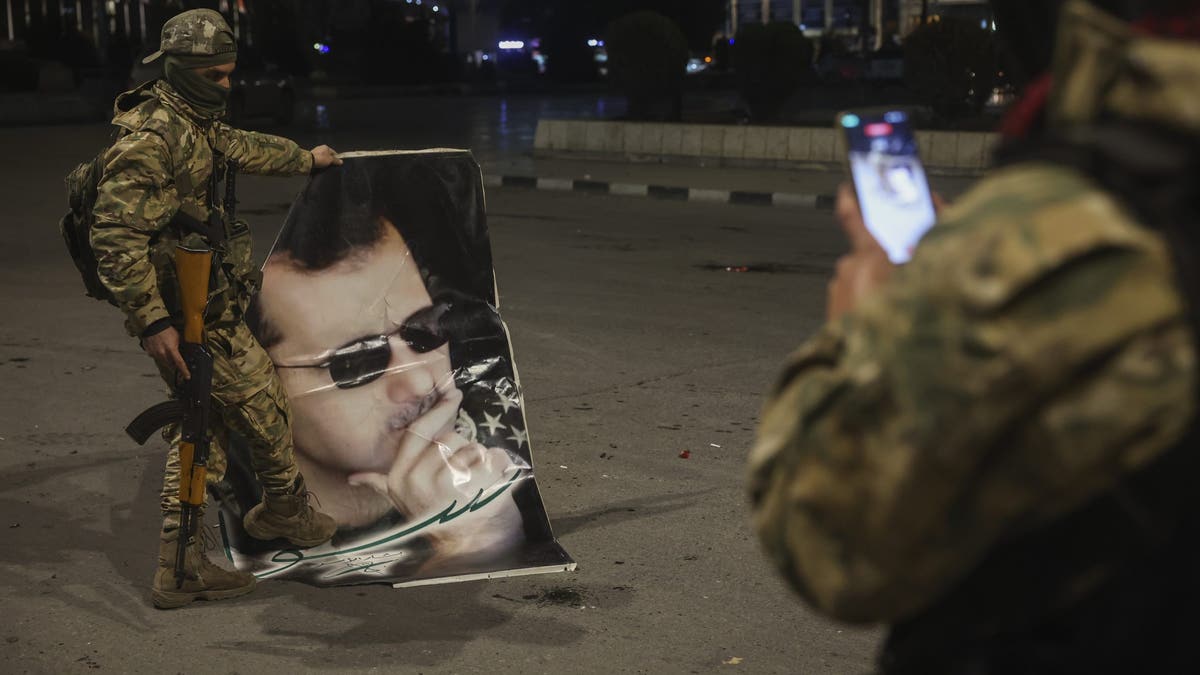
[196, 32]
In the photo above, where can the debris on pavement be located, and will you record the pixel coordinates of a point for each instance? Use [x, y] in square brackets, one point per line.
[686, 454]
[559, 595]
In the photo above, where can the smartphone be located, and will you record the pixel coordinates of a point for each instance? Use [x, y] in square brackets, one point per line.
[893, 190]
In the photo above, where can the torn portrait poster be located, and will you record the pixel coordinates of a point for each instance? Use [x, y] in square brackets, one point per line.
[379, 309]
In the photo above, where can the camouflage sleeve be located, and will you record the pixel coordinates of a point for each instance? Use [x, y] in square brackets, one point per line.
[134, 202]
[263, 154]
[1032, 352]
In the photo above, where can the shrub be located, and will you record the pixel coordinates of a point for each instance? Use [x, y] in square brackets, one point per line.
[647, 59]
[20, 73]
[771, 62]
[571, 60]
[951, 66]
[721, 52]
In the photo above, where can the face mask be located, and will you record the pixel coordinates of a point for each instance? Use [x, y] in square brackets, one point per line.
[203, 94]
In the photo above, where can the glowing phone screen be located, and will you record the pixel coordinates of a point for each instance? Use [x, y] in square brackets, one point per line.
[893, 191]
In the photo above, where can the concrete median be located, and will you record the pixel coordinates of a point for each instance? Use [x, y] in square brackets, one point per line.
[962, 153]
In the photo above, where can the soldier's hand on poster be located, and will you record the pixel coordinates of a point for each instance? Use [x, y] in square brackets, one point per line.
[324, 157]
[163, 347]
[435, 467]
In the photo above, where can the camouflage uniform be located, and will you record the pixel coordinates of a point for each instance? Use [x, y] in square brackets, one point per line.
[1035, 352]
[160, 164]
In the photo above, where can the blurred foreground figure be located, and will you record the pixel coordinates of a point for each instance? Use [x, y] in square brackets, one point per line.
[993, 448]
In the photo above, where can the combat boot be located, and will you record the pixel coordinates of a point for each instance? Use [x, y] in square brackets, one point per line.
[203, 580]
[290, 516]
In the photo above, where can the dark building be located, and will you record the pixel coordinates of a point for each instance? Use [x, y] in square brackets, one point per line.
[876, 19]
[816, 17]
[109, 34]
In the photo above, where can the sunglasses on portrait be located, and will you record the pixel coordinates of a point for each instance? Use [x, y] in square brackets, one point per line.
[366, 359]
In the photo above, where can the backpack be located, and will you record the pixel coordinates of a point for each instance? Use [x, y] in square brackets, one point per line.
[76, 225]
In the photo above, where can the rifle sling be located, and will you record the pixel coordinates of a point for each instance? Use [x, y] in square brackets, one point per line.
[212, 230]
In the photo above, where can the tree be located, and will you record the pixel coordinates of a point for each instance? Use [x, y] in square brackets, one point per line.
[771, 62]
[647, 57]
[569, 26]
[951, 65]
[278, 34]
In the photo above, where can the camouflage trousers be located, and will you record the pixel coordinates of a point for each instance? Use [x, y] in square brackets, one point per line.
[247, 400]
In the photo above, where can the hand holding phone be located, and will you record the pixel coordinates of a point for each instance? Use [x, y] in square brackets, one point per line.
[889, 180]
[862, 270]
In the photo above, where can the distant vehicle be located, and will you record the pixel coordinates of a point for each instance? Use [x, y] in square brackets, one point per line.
[885, 67]
[260, 90]
[846, 68]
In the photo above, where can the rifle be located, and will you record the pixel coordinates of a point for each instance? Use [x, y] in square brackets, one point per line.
[191, 406]
[230, 204]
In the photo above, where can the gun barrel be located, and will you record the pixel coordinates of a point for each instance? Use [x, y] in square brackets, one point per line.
[181, 543]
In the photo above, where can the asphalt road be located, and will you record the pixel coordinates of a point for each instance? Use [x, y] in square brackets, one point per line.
[633, 344]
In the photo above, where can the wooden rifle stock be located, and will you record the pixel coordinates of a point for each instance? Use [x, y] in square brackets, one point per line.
[193, 268]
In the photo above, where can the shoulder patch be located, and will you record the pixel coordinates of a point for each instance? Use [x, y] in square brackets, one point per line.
[134, 118]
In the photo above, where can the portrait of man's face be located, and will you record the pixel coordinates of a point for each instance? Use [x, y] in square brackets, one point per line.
[379, 362]
[377, 308]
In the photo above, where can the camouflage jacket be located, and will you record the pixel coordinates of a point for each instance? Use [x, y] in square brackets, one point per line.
[164, 142]
[1033, 352]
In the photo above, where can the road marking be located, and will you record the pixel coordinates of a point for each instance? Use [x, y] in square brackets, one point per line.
[698, 195]
[737, 197]
[755, 198]
[792, 199]
[628, 189]
[555, 184]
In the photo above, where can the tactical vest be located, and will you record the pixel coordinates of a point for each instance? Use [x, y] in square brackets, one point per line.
[1113, 587]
